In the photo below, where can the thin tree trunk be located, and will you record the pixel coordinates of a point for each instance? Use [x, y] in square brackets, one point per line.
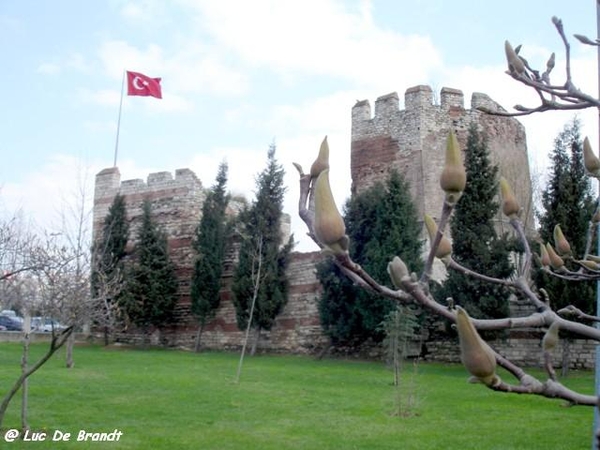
[25, 386]
[69, 351]
[56, 343]
[254, 297]
[255, 342]
[198, 343]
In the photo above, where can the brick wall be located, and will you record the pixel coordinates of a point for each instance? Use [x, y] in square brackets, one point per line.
[413, 140]
[177, 208]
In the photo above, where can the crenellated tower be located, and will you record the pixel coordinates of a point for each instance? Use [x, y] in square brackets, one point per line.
[413, 140]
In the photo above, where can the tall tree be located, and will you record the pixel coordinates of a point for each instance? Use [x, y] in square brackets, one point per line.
[567, 201]
[150, 293]
[108, 254]
[476, 244]
[381, 223]
[209, 245]
[261, 243]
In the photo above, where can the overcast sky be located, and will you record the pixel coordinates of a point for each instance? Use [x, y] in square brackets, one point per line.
[239, 75]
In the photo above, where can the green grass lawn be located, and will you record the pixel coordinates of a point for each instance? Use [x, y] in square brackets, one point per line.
[163, 399]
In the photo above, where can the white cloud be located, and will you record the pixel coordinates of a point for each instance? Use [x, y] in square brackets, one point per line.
[48, 68]
[192, 67]
[318, 38]
[42, 193]
[142, 12]
[105, 97]
[78, 62]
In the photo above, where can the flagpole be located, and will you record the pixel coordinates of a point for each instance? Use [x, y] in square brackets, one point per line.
[119, 120]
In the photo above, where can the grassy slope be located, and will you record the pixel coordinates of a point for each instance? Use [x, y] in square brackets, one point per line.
[178, 400]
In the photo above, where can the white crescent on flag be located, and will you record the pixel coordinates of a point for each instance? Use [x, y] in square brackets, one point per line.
[136, 84]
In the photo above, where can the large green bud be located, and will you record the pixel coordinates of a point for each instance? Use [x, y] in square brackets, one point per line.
[515, 64]
[550, 340]
[329, 226]
[544, 256]
[563, 248]
[510, 205]
[476, 355]
[590, 160]
[444, 250]
[398, 272]
[322, 161]
[454, 176]
[556, 261]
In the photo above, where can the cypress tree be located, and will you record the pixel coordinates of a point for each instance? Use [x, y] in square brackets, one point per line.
[109, 250]
[476, 244]
[381, 223]
[209, 246]
[150, 294]
[108, 254]
[567, 200]
[260, 230]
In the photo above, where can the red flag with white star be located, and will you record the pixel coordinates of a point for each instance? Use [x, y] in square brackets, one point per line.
[143, 85]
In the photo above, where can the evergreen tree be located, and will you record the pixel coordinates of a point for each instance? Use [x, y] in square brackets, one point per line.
[567, 201]
[150, 294]
[260, 230]
[108, 254]
[109, 250]
[381, 223]
[209, 246]
[476, 244]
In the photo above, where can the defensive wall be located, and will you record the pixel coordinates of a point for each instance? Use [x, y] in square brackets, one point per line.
[413, 140]
[176, 203]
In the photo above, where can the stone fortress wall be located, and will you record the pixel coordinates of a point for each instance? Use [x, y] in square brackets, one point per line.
[413, 140]
[177, 207]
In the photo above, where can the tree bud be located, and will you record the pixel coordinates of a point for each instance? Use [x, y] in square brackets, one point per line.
[444, 250]
[591, 265]
[594, 258]
[550, 339]
[322, 161]
[398, 272]
[454, 177]
[563, 248]
[544, 257]
[590, 160]
[476, 355]
[515, 64]
[510, 205]
[329, 225]
[551, 62]
[555, 261]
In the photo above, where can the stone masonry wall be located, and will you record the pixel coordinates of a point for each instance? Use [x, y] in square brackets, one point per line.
[177, 207]
[413, 140]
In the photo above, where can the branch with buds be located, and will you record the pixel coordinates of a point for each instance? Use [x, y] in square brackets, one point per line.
[326, 227]
[564, 96]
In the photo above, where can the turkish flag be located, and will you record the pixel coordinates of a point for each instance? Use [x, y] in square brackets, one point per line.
[143, 85]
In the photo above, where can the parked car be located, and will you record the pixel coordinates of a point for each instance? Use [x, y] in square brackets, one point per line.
[12, 314]
[10, 324]
[45, 324]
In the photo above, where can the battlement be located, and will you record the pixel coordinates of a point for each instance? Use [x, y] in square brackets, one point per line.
[108, 182]
[416, 99]
[413, 141]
